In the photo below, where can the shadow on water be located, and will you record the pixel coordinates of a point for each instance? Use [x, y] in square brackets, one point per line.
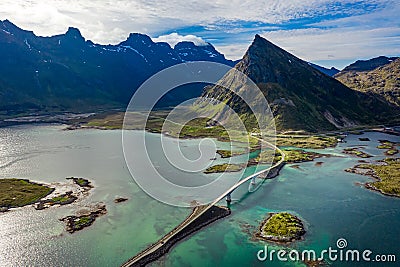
[252, 198]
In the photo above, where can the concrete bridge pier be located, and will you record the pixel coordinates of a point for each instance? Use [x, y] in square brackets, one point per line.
[228, 198]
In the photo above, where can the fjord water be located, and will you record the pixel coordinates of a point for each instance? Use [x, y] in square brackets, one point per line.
[325, 197]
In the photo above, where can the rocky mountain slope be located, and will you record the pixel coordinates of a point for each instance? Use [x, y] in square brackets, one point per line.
[301, 97]
[382, 81]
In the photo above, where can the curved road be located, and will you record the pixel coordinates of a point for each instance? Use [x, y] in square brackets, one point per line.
[196, 215]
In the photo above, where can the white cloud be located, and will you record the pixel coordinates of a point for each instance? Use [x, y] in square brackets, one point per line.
[234, 51]
[118, 18]
[338, 44]
[174, 38]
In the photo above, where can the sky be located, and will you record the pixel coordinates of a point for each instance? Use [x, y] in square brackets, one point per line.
[326, 32]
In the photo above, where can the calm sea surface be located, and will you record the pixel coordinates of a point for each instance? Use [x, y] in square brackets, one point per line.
[328, 199]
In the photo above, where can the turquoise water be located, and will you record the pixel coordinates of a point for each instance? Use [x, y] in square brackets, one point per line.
[325, 197]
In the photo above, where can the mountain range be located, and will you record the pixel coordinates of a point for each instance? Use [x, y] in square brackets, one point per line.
[67, 72]
[300, 96]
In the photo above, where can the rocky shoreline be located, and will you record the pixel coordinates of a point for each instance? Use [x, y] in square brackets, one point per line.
[65, 194]
[63, 199]
[368, 170]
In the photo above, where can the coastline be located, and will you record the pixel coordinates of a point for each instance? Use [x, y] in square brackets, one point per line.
[370, 172]
[60, 193]
[373, 188]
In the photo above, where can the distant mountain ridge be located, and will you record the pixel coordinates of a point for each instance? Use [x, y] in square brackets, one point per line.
[68, 72]
[369, 64]
[300, 97]
[330, 72]
[382, 81]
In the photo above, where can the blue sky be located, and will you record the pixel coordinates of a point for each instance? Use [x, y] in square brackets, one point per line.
[327, 32]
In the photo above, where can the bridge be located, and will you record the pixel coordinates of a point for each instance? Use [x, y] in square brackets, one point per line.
[199, 211]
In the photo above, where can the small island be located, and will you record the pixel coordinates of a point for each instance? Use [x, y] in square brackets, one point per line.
[63, 199]
[21, 192]
[85, 218]
[267, 157]
[291, 156]
[82, 182]
[389, 146]
[225, 167]
[229, 153]
[355, 151]
[281, 227]
[120, 199]
[387, 174]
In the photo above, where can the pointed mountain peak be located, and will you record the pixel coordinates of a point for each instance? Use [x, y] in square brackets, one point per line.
[260, 41]
[265, 62]
[74, 33]
[258, 38]
[300, 97]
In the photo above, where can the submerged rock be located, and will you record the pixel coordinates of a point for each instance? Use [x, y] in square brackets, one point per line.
[120, 199]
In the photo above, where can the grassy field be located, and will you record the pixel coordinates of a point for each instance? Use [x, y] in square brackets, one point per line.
[82, 221]
[301, 141]
[114, 121]
[20, 192]
[291, 156]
